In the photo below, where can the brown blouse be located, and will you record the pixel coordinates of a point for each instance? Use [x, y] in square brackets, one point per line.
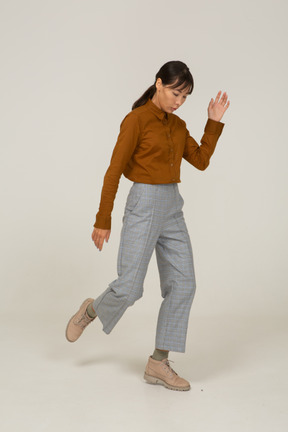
[149, 149]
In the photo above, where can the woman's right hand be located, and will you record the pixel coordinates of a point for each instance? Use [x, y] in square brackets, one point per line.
[98, 237]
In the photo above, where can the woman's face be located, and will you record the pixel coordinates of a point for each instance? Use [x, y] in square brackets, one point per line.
[169, 99]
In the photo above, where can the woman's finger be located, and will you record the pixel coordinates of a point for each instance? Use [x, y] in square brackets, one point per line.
[222, 100]
[218, 97]
[98, 241]
[100, 244]
[227, 105]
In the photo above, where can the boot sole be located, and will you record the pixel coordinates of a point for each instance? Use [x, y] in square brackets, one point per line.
[153, 380]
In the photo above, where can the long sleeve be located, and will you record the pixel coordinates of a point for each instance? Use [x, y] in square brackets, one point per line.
[125, 146]
[199, 156]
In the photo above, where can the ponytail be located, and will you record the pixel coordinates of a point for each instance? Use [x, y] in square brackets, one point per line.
[149, 93]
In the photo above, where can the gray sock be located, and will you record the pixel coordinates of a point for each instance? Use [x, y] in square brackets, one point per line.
[90, 311]
[160, 354]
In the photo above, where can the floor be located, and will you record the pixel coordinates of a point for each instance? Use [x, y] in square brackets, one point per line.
[237, 367]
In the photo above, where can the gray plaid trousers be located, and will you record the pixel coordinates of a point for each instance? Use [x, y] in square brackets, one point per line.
[153, 219]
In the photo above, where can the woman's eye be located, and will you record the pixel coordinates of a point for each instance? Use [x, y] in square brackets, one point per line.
[175, 94]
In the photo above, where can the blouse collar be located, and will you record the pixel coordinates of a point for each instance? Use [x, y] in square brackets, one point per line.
[157, 111]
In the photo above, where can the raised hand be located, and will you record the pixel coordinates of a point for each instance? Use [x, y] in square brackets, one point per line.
[217, 108]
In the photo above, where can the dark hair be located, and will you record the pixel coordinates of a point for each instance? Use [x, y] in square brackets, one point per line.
[176, 73]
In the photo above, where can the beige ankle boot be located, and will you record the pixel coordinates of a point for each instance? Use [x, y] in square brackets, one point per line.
[160, 372]
[78, 322]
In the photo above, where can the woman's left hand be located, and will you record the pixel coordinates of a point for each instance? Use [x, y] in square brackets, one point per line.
[217, 108]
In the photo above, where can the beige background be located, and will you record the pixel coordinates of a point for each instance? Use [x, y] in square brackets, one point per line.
[70, 72]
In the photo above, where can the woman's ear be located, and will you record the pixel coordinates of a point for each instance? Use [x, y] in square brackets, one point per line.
[158, 83]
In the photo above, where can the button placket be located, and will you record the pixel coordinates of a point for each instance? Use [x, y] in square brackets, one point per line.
[171, 144]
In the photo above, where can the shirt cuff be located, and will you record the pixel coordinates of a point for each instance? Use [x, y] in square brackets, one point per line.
[214, 127]
[103, 222]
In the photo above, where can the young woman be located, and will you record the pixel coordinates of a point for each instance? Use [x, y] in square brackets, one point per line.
[151, 144]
